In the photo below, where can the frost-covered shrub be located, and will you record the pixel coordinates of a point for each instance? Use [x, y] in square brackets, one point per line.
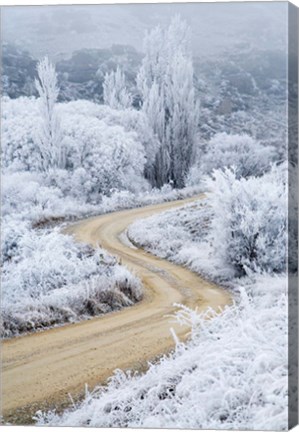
[231, 375]
[245, 154]
[249, 227]
[29, 197]
[181, 235]
[108, 156]
[167, 234]
[240, 228]
[18, 125]
[11, 234]
[131, 120]
[21, 190]
[103, 149]
[49, 279]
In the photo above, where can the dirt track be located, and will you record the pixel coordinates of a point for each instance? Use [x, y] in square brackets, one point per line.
[39, 370]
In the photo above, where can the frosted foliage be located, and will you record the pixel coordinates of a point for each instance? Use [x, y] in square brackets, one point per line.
[232, 374]
[11, 235]
[48, 279]
[174, 230]
[103, 157]
[18, 126]
[249, 227]
[239, 228]
[165, 82]
[116, 94]
[131, 120]
[27, 197]
[104, 149]
[244, 153]
[181, 235]
[48, 137]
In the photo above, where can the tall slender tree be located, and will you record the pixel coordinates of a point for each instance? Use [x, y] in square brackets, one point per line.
[49, 136]
[116, 94]
[165, 82]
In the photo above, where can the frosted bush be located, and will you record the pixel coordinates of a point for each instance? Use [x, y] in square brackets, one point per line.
[128, 119]
[240, 228]
[19, 190]
[11, 234]
[244, 153]
[110, 157]
[103, 149]
[19, 119]
[249, 226]
[49, 279]
[132, 120]
[181, 235]
[31, 197]
[167, 234]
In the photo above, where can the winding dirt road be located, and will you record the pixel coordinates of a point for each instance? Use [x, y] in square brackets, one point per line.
[41, 369]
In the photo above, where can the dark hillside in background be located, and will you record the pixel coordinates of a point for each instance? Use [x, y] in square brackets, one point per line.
[233, 80]
[80, 77]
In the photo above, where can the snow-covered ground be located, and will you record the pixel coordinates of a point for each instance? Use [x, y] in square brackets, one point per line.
[179, 235]
[231, 374]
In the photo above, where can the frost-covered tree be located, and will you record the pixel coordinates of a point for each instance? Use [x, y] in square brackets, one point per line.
[104, 157]
[247, 155]
[165, 82]
[116, 94]
[48, 137]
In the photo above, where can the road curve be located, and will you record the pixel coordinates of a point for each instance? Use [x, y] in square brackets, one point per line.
[41, 369]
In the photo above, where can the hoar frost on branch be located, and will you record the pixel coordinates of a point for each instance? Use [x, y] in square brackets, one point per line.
[245, 154]
[48, 137]
[240, 150]
[116, 94]
[165, 83]
[249, 226]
